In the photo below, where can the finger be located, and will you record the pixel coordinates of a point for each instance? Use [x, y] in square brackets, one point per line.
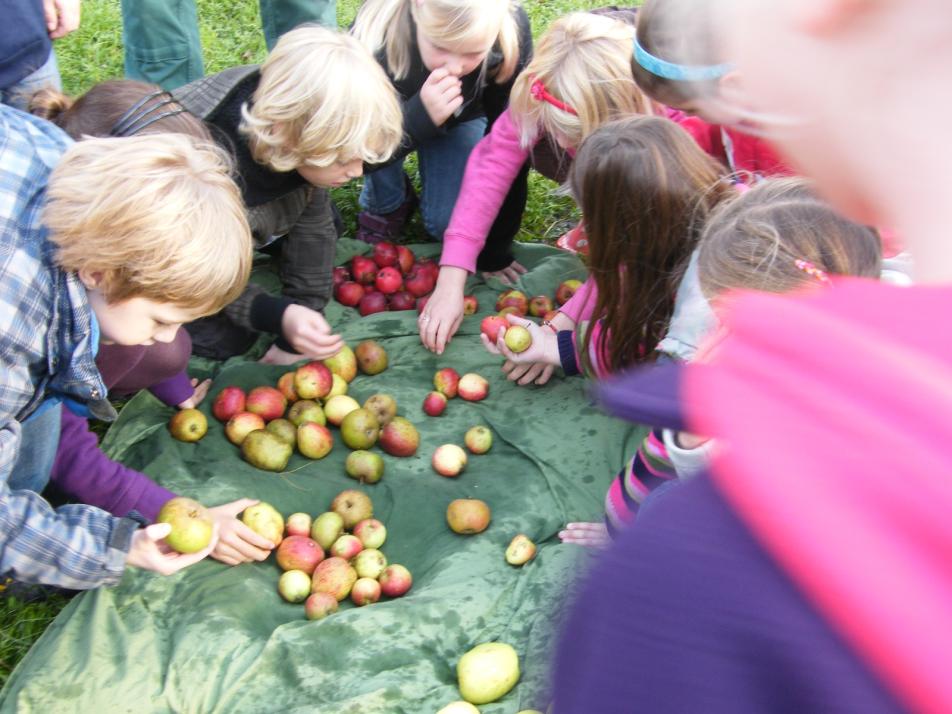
[503, 278]
[158, 531]
[227, 555]
[455, 327]
[546, 375]
[517, 372]
[247, 536]
[511, 274]
[442, 330]
[454, 104]
[246, 551]
[448, 84]
[235, 507]
[437, 76]
[530, 375]
[518, 267]
[586, 526]
[490, 347]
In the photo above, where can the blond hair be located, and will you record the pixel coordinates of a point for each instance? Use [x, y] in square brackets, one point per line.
[388, 25]
[158, 215]
[322, 99]
[581, 60]
[755, 241]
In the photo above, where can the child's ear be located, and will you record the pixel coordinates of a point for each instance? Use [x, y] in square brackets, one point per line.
[91, 279]
[823, 17]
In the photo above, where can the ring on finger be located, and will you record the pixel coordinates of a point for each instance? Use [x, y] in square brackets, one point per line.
[424, 318]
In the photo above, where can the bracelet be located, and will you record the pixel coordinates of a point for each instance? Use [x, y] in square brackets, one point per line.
[547, 323]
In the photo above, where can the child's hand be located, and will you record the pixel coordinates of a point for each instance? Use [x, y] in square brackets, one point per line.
[591, 535]
[62, 17]
[237, 543]
[544, 347]
[150, 552]
[443, 313]
[201, 391]
[275, 355]
[309, 333]
[532, 373]
[441, 95]
[508, 275]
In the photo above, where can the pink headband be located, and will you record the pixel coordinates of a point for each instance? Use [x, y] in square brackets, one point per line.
[541, 94]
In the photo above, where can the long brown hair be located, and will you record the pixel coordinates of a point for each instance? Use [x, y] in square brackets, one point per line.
[645, 189]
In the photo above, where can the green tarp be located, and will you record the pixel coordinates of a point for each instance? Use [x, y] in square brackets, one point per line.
[220, 639]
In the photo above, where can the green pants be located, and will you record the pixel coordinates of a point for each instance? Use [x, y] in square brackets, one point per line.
[161, 38]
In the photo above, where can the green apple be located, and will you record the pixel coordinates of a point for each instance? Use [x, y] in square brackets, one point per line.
[264, 519]
[327, 528]
[294, 585]
[191, 524]
[487, 672]
[458, 708]
[360, 429]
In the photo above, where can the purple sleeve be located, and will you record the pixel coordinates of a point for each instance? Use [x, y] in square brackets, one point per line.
[174, 390]
[82, 471]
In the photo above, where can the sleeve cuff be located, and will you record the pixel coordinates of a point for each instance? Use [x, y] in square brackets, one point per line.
[173, 391]
[417, 123]
[567, 353]
[267, 311]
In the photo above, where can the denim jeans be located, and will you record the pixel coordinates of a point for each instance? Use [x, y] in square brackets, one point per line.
[19, 94]
[39, 439]
[442, 162]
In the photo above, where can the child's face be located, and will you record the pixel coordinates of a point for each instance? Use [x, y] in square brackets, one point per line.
[459, 60]
[138, 321]
[337, 174]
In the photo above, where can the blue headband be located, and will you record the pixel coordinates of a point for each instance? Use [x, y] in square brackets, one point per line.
[678, 72]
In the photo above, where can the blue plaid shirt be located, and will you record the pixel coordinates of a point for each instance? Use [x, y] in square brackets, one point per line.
[47, 350]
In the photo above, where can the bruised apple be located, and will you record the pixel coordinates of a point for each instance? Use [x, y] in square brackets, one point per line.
[383, 406]
[470, 304]
[353, 507]
[314, 441]
[360, 429]
[286, 387]
[467, 516]
[520, 550]
[566, 290]
[306, 410]
[371, 357]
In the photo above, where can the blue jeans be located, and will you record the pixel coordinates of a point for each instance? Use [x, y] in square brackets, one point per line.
[48, 75]
[442, 163]
[39, 440]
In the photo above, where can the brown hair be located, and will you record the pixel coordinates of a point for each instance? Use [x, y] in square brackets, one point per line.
[645, 189]
[755, 241]
[98, 111]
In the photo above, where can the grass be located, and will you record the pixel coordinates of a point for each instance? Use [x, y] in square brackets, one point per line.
[230, 32]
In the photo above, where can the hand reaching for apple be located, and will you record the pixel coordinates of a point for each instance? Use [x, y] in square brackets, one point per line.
[443, 313]
[309, 333]
[544, 346]
[150, 552]
[199, 393]
[237, 543]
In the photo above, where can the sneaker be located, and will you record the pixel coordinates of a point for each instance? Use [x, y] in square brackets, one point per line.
[373, 228]
[574, 241]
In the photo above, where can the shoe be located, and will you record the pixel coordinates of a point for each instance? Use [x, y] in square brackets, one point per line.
[574, 241]
[373, 228]
[30, 593]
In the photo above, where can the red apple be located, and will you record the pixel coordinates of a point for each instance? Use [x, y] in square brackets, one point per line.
[341, 275]
[419, 281]
[421, 303]
[434, 404]
[363, 269]
[242, 424]
[449, 460]
[334, 576]
[513, 298]
[298, 552]
[470, 304]
[266, 402]
[388, 280]
[540, 305]
[399, 437]
[298, 524]
[320, 605]
[478, 439]
[491, 326]
[365, 592]
[473, 387]
[286, 387]
[405, 259]
[385, 254]
[446, 382]
[371, 303]
[566, 290]
[313, 380]
[372, 533]
[429, 267]
[314, 441]
[346, 547]
[349, 293]
[395, 581]
[402, 300]
[229, 402]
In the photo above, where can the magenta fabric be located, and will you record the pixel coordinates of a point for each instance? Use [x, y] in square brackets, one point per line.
[582, 304]
[834, 412]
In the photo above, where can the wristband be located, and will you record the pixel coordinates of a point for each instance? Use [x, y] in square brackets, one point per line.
[567, 353]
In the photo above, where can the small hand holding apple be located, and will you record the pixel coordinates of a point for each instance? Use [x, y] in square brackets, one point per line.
[441, 95]
[309, 333]
[508, 275]
[443, 313]
[237, 543]
[544, 347]
[150, 552]
[199, 393]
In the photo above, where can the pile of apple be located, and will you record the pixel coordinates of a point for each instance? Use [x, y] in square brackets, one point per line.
[542, 306]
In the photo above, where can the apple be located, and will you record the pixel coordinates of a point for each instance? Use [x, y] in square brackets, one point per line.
[264, 519]
[298, 552]
[540, 305]
[346, 547]
[370, 563]
[327, 528]
[340, 275]
[434, 404]
[402, 300]
[468, 516]
[395, 580]
[470, 304]
[478, 439]
[298, 524]
[188, 425]
[510, 311]
[419, 282]
[490, 326]
[353, 507]
[360, 429]
[284, 430]
[286, 387]
[473, 387]
[294, 585]
[421, 303]
[385, 254]
[429, 266]
[566, 290]
[349, 294]
[487, 672]
[449, 460]
[267, 451]
[266, 402]
[520, 551]
[458, 708]
[405, 259]
[446, 381]
[399, 437]
[343, 364]
[229, 402]
[518, 338]
[372, 533]
[388, 281]
[513, 298]
[313, 380]
[336, 408]
[242, 424]
[191, 522]
[383, 406]
[339, 386]
[320, 605]
[366, 591]
[363, 269]
[334, 576]
[314, 441]
[371, 357]
[371, 303]
[306, 411]
[365, 466]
